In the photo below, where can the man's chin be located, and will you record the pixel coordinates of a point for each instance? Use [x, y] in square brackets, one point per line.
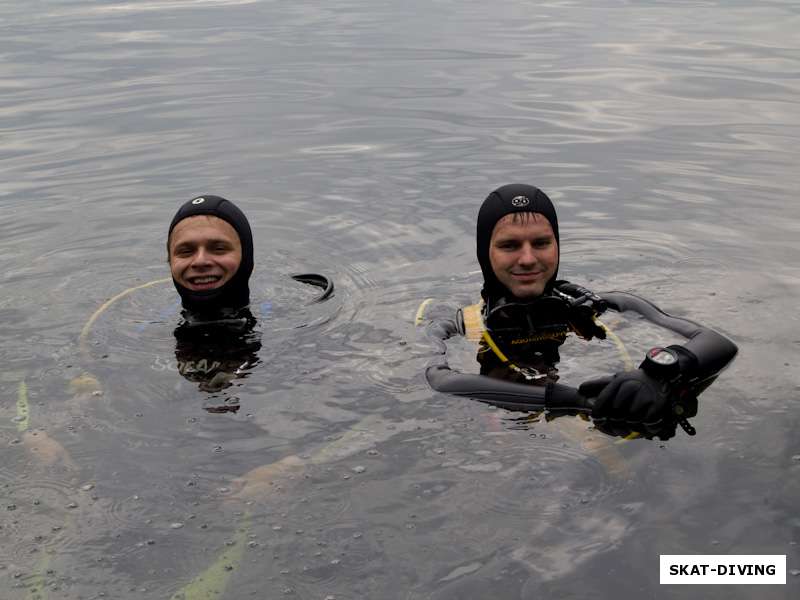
[527, 292]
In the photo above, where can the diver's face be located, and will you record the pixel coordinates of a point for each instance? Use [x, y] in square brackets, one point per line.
[523, 253]
[204, 252]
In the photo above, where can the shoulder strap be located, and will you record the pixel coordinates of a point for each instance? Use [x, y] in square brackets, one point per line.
[473, 321]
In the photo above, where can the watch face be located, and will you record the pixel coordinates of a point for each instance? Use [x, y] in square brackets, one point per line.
[662, 356]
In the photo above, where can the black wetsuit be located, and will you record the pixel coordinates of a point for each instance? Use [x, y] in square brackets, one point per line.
[216, 341]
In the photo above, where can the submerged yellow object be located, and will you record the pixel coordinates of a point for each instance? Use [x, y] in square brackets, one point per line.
[84, 335]
[211, 583]
[84, 383]
[23, 409]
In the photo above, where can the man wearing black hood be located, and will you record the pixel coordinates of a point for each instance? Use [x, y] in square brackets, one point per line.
[526, 313]
[518, 243]
[518, 251]
[210, 251]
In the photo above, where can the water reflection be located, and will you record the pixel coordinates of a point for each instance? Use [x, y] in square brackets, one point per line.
[213, 354]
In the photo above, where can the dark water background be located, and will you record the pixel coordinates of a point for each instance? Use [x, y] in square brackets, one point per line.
[360, 138]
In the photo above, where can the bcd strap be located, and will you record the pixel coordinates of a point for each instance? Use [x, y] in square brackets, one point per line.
[473, 321]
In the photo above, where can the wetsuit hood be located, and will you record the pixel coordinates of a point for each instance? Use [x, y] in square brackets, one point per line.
[505, 200]
[235, 293]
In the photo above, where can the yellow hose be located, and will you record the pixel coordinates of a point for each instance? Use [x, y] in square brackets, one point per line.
[84, 336]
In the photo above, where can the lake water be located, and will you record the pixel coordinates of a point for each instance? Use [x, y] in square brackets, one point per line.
[360, 138]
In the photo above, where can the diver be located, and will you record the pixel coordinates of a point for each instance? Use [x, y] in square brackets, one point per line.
[210, 253]
[526, 313]
[518, 252]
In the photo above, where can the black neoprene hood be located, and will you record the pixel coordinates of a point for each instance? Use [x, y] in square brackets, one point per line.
[236, 292]
[505, 200]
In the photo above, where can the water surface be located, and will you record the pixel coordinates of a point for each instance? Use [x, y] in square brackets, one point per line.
[360, 138]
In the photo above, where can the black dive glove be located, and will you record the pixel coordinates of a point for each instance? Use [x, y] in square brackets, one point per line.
[632, 401]
[584, 306]
[581, 319]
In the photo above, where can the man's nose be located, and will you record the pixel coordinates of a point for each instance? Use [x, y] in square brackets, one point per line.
[201, 258]
[526, 255]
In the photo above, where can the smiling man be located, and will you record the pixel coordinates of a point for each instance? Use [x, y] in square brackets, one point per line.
[523, 253]
[525, 315]
[517, 241]
[210, 251]
[518, 252]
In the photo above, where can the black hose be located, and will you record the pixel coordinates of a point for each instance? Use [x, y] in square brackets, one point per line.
[712, 350]
[320, 281]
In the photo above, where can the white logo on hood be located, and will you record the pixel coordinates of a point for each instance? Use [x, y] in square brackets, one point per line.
[520, 201]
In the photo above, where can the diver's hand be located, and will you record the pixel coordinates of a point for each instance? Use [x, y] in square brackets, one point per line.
[631, 399]
[581, 319]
